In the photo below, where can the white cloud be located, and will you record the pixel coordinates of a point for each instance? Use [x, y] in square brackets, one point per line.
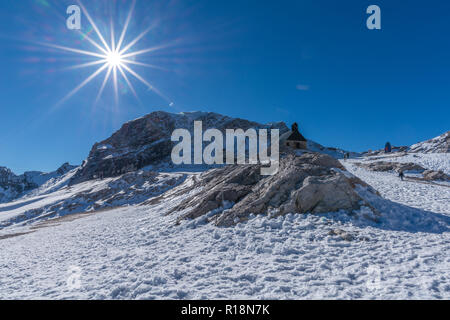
[303, 87]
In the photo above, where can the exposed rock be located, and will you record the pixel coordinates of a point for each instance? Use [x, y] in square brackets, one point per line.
[384, 166]
[435, 175]
[440, 144]
[66, 167]
[341, 233]
[395, 151]
[309, 183]
[13, 186]
[146, 141]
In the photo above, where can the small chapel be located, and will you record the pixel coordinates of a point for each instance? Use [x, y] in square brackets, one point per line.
[296, 140]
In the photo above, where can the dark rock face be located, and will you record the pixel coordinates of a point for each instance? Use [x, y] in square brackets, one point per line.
[146, 141]
[66, 167]
[13, 186]
[310, 183]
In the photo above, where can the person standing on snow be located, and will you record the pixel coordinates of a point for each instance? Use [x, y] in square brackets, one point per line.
[401, 175]
[388, 148]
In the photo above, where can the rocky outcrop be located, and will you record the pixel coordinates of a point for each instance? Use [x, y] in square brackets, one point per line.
[432, 175]
[384, 166]
[10, 185]
[440, 144]
[344, 235]
[66, 167]
[397, 151]
[146, 141]
[309, 183]
[13, 186]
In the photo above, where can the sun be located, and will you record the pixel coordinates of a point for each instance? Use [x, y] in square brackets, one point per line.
[114, 59]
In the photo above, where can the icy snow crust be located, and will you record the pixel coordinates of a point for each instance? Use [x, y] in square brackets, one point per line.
[138, 252]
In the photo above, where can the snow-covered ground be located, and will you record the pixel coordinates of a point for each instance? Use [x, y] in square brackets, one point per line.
[432, 161]
[426, 196]
[138, 252]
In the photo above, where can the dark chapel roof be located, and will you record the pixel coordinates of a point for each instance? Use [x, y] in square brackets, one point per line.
[295, 135]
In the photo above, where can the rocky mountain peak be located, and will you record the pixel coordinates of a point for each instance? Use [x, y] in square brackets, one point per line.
[13, 186]
[146, 141]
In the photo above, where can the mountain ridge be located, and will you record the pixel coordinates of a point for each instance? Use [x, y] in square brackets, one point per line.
[13, 186]
[145, 141]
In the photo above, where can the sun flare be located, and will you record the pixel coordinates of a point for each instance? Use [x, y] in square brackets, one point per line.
[113, 58]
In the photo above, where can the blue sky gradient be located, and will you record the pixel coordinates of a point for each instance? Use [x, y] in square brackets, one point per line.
[313, 62]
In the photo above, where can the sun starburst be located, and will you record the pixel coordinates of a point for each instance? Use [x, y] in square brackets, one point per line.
[113, 58]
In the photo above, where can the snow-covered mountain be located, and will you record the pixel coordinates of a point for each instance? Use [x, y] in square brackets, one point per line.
[146, 141]
[141, 252]
[133, 166]
[440, 144]
[137, 227]
[130, 167]
[13, 186]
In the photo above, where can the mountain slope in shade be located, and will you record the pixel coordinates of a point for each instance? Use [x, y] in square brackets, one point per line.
[13, 186]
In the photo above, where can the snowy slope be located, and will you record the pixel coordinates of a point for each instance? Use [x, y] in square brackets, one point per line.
[59, 199]
[106, 230]
[440, 144]
[13, 186]
[432, 161]
[333, 152]
[427, 196]
[138, 252]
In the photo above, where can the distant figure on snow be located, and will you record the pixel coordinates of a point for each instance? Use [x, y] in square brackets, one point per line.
[388, 148]
[401, 175]
[346, 156]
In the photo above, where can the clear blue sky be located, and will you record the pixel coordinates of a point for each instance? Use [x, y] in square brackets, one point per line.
[313, 62]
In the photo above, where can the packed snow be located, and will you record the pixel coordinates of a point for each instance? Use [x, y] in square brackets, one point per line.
[138, 252]
[432, 161]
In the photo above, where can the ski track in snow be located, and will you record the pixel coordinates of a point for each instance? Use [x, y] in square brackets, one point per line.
[139, 253]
